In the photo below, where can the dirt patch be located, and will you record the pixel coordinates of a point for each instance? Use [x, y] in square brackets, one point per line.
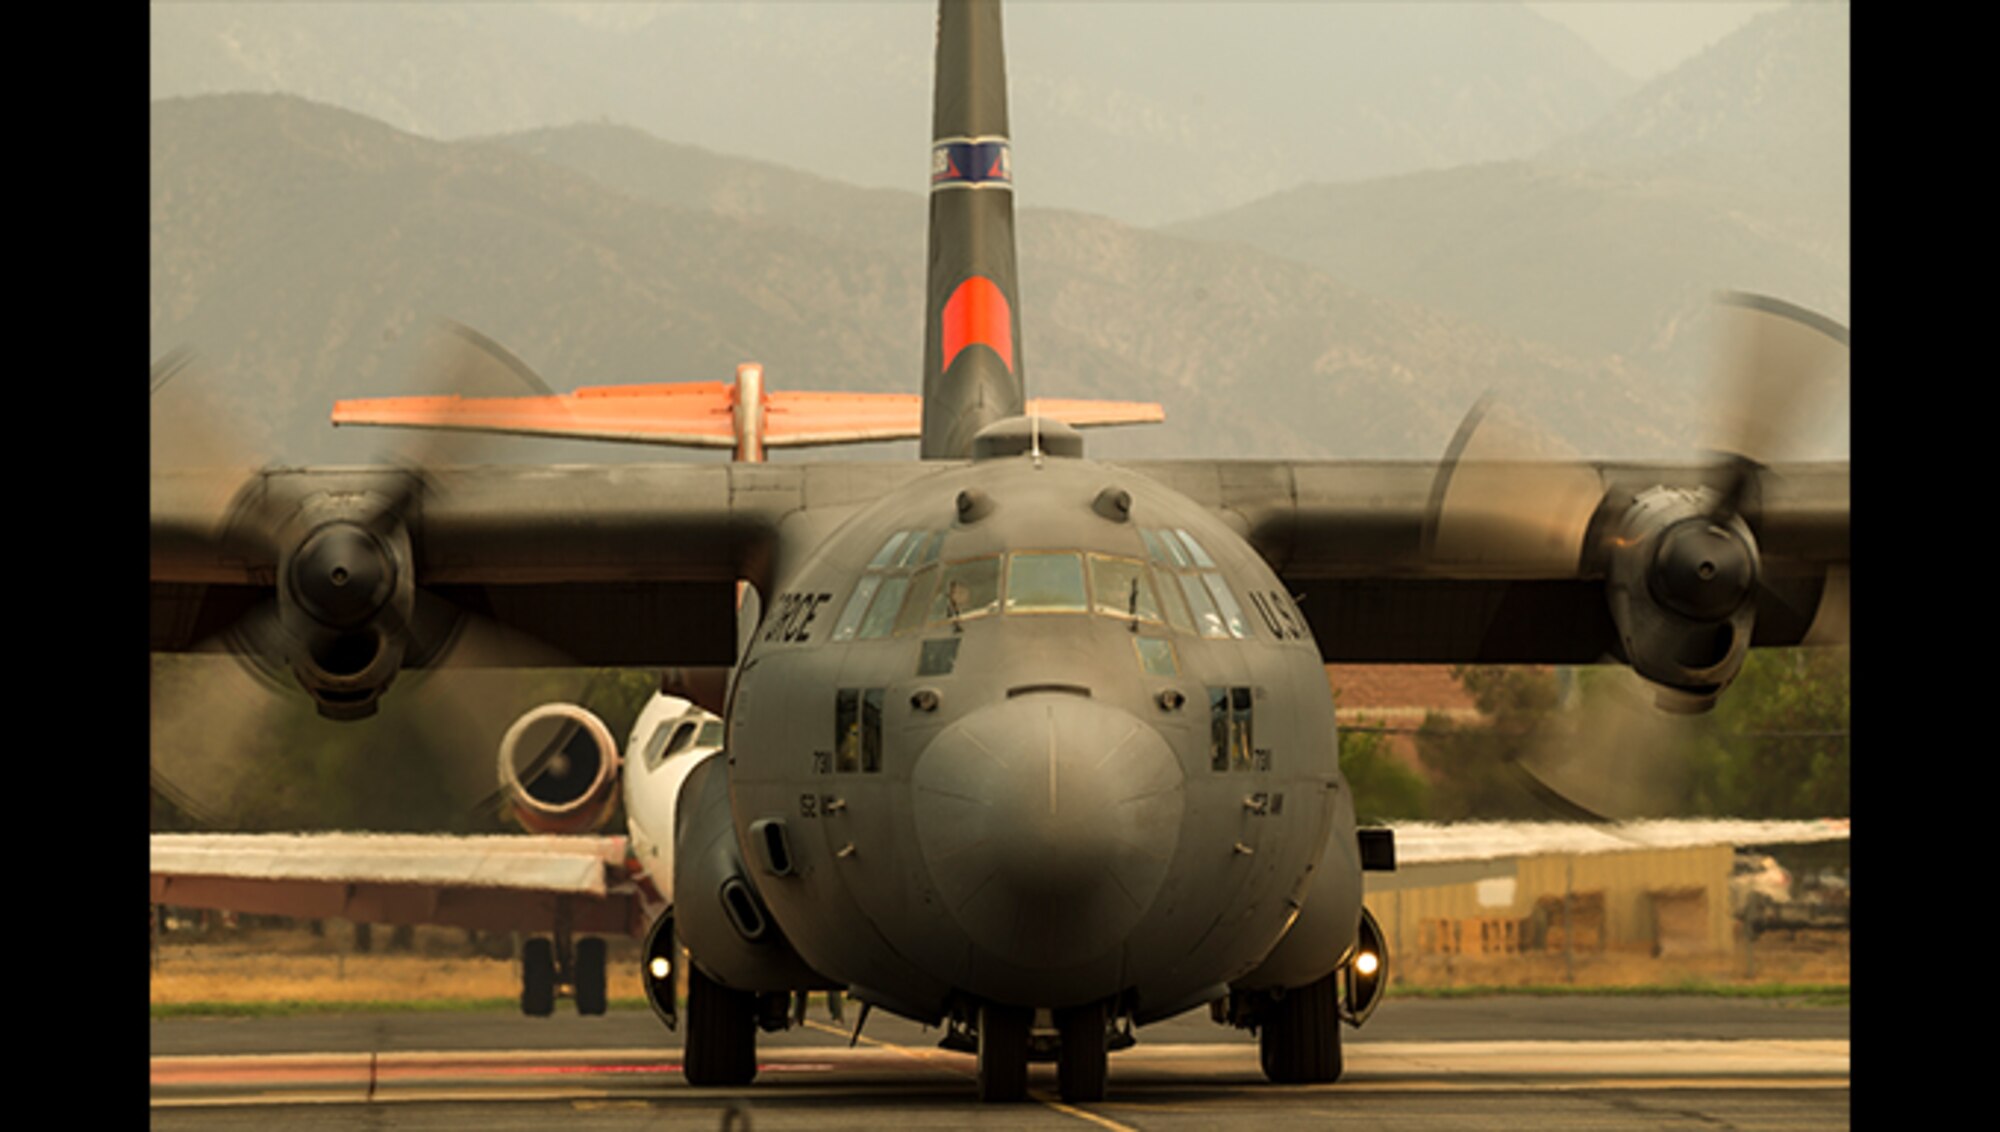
[270, 964]
[1802, 957]
[273, 964]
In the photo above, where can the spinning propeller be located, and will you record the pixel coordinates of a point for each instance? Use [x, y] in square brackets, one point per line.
[1684, 577]
[341, 617]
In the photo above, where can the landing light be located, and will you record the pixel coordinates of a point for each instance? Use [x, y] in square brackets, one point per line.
[1367, 963]
[660, 967]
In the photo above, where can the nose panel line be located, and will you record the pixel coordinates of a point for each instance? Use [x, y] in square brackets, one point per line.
[1050, 715]
[1111, 750]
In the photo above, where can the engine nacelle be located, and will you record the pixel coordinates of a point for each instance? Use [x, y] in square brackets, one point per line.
[559, 767]
[1682, 585]
[346, 601]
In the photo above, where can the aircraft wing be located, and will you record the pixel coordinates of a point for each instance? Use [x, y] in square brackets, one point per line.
[495, 883]
[614, 566]
[636, 566]
[1358, 545]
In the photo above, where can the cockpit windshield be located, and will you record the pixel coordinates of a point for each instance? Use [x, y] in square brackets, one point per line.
[907, 588]
[1044, 582]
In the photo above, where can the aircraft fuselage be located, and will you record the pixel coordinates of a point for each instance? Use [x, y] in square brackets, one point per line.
[1039, 732]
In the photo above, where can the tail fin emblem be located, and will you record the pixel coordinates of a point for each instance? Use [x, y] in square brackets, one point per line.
[972, 163]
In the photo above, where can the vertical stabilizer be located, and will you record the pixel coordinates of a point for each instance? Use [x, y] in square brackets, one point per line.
[972, 330]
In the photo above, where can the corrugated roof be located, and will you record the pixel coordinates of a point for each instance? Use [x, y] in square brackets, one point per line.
[1378, 686]
[1419, 843]
[541, 863]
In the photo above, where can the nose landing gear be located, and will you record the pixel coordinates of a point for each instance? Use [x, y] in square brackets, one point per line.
[1005, 1039]
[1003, 1052]
[1083, 1055]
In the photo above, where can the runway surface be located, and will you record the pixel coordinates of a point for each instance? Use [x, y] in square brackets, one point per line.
[1475, 1063]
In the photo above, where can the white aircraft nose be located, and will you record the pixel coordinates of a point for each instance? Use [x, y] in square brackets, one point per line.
[1048, 821]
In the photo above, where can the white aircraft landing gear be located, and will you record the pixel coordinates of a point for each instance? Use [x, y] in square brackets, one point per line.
[587, 976]
[538, 977]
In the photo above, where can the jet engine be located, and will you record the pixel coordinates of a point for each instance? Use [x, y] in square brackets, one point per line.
[559, 769]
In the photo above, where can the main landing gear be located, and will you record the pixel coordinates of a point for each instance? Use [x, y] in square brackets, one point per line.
[1299, 1039]
[1298, 1029]
[551, 967]
[721, 1044]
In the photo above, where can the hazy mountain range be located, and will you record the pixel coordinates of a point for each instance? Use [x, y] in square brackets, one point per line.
[1141, 111]
[299, 247]
[1732, 171]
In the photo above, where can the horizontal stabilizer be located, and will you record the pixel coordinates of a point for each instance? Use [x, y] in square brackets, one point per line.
[701, 414]
[1096, 414]
[694, 414]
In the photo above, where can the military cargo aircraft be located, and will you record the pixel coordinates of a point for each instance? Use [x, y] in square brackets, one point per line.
[1032, 747]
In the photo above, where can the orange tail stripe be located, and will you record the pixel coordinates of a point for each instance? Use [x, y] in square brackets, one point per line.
[977, 312]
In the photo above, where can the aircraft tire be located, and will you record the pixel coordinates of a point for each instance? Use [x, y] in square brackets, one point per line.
[721, 1046]
[590, 975]
[1299, 1039]
[1003, 1053]
[1082, 1059]
[538, 977]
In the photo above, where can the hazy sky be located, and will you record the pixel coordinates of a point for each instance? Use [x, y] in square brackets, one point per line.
[1646, 37]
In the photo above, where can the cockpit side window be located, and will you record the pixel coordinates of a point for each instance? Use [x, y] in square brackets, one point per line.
[1165, 548]
[857, 730]
[921, 549]
[1231, 743]
[923, 584]
[1207, 618]
[655, 750]
[857, 605]
[683, 737]
[887, 555]
[1225, 601]
[890, 595]
[1195, 552]
[882, 611]
[673, 736]
[1191, 574]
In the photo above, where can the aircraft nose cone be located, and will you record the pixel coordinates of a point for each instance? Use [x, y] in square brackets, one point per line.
[1048, 822]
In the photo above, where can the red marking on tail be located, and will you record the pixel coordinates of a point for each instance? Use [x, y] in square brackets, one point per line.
[977, 312]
